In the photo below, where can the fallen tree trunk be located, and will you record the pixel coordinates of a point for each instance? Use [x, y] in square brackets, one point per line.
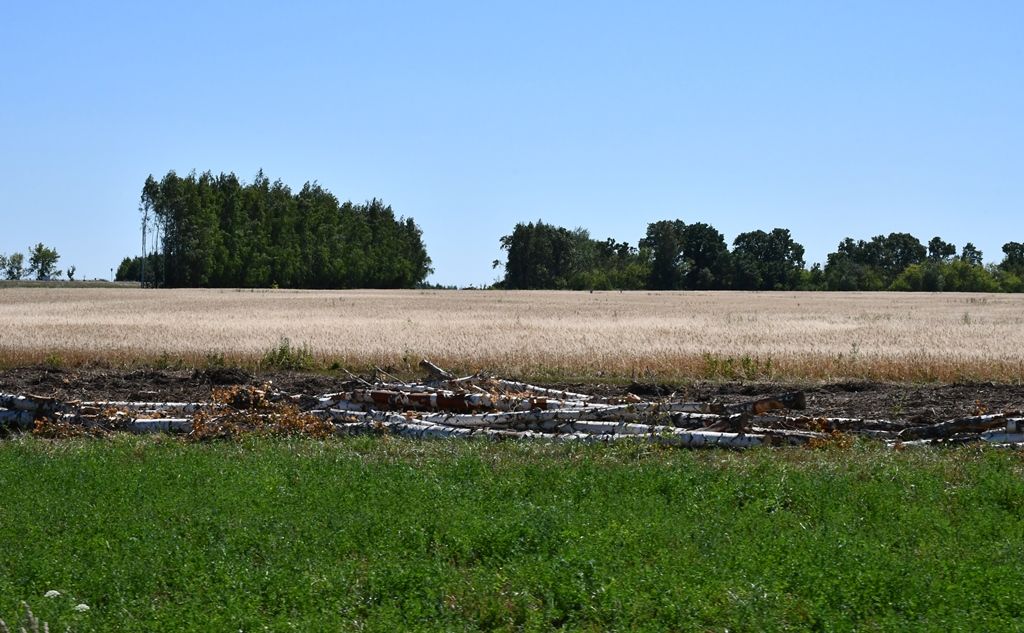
[1002, 437]
[458, 402]
[670, 437]
[160, 425]
[955, 440]
[790, 436]
[846, 425]
[184, 408]
[17, 419]
[36, 404]
[789, 400]
[511, 385]
[974, 424]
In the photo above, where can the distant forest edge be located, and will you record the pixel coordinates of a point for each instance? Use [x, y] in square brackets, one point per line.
[214, 231]
[674, 255]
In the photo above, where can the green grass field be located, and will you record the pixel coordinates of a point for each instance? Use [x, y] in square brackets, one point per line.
[385, 534]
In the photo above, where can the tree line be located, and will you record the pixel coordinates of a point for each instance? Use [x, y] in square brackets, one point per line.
[674, 255]
[42, 265]
[203, 230]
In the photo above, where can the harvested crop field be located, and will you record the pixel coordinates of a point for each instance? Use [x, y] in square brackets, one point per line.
[554, 336]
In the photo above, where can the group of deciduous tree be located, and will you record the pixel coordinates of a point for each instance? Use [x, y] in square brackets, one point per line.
[674, 255]
[899, 261]
[42, 264]
[215, 231]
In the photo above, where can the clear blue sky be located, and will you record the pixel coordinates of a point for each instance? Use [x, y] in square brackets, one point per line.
[829, 118]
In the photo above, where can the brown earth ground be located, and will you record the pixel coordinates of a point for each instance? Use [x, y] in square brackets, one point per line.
[910, 403]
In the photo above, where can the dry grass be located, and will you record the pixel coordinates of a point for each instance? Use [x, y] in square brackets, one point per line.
[556, 335]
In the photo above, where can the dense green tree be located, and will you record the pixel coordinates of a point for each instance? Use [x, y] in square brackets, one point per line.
[42, 262]
[685, 256]
[620, 267]
[664, 245]
[1013, 260]
[705, 257]
[129, 269]
[940, 251]
[957, 275]
[812, 279]
[962, 276]
[146, 271]
[1008, 282]
[873, 265]
[971, 254]
[767, 261]
[544, 256]
[216, 231]
[896, 251]
[853, 266]
[14, 266]
[676, 256]
[926, 277]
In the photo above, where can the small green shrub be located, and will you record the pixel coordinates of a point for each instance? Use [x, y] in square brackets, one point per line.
[284, 356]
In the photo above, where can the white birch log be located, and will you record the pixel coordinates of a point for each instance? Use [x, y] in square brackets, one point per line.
[955, 440]
[160, 425]
[368, 417]
[426, 430]
[413, 387]
[647, 410]
[666, 436]
[456, 402]
[35, 404]
[186, 408]
[616, 428]
[788, 400]
[976, 423]
[511, 385]
[873, 434]
[847, 425]
[694, 439]
[501, 420]
[327, 403]
[1002, 437]
[121, 421]
[696, 421]
[349, 428]
[791, 436]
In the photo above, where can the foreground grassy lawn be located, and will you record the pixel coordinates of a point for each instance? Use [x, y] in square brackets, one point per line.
[384, 534]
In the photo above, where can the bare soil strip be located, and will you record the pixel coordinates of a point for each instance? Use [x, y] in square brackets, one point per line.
[212, 403]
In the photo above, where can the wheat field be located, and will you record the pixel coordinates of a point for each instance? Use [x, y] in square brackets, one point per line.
[558, 335]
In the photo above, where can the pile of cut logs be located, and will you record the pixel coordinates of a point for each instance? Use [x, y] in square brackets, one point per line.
[444, 406]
